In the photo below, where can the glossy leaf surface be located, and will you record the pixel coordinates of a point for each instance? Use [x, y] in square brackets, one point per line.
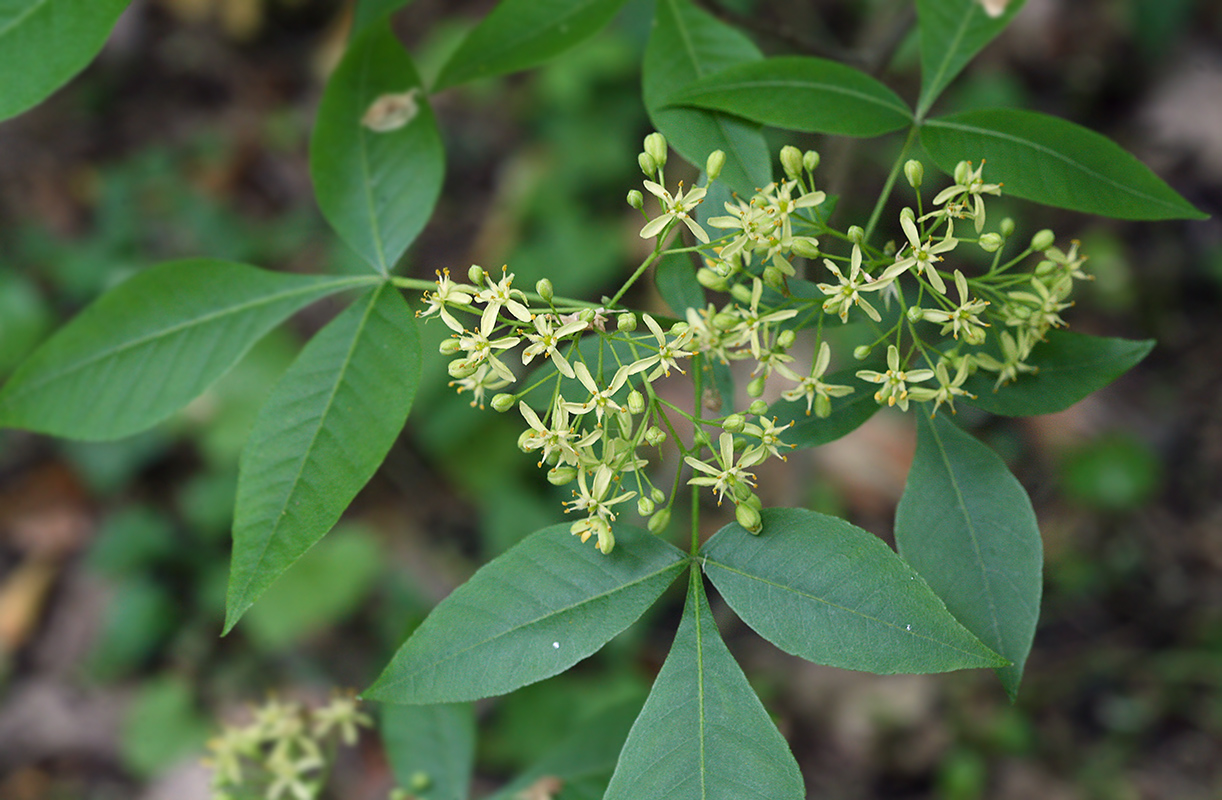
[535, 611]
[520, 34]
[676, 281]
[152, 344]
[685, 44]
[952, 32]
[434, 741]
[703, 733]
[802, 94]
[827, 591]
[320, 437]
[1071, 366]
[966, 525]
[43, 43]
[377, 188]
[1055, 162]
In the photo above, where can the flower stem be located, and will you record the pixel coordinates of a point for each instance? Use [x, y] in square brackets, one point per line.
[886, 192]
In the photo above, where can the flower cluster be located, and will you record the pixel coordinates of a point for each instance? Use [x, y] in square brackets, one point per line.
[583, 375]
[284, 750]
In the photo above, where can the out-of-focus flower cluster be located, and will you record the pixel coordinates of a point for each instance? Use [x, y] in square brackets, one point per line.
[593, 416]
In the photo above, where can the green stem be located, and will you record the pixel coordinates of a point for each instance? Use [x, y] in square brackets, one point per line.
[886, 192]
[697, 406]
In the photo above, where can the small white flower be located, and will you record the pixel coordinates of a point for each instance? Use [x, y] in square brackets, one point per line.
[895, 380]
[921, 257]
[600, 400]
[668, 352]
[500, 295]
[545, 339]
[675, 208]
[847, 293]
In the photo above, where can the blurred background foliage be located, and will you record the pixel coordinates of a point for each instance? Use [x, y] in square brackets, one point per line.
[188, 137]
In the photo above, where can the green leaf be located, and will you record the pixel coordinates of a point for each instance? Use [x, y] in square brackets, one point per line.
[966, 525]
[1055, 162]
[43, 43]
[827, 591]
[538, 609]
[800, 93]
[150, 345]
[431, 749]
[376, 188]
[952, 32]
[685, 44]
[369, 12]
[703, 733]
[161, 727]
[520, 34]
[676, 282]
[848, 414]
[1071, 366]
[319, 438]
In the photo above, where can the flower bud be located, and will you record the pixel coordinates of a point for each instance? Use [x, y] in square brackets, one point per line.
[711, 280]
[586, 315]
[713, 166]
[810, 160]
[678, 329]
[461, 368]
[543, 288]
[503, 402]
[419, 781]
[805, 246]
[659, 521]
[915, 313]
[991, 242]
[741, 293]
[914, 171]
[724, 320]
[635, 199]
[657, 495]
[757, 407]
[475, 275]
[748, 517]
[655, 146]
[734, 423]
[449, 347]
[559, 476]
[647, 164]
[700, 438]
[791, 162]
[1043, 240]
[857, 234]
[636, 401]
[823, 406]
[626, 322]
[756, 386]
[908, 214]
[654, 436]
[963, 172]
[773, 278]
[644, 506]
[785, 339]
[1007, 227]
[861, 352]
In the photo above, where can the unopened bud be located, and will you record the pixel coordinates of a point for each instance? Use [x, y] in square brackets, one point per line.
[748, 517]
[724, 320]
[757, 407]
[635, 199]
[791, 161]
[734, 423]
[810, 160]
[1007, 227]
[914, 171]
[655, 147]
[644, 506]
[805, 246]
[647, 164]
[991, 242]
[657, 495]
[915, 313]
[678, 329]
[785, 339]
[756, 386]
[907, 213]
[773, 277]
[856, 234]
[475, 274]
[1043, 240]
[449, 347]
[741, 293]
[711, 280]
[654, 436]
[861, 352]
[543, 288]
[636, 401]
[823, 406]
[626, 322]
[586, 315]
[700, 438]
[461, 368]
[503, 402]
[659, 521]
[713, 166]
[560, 476]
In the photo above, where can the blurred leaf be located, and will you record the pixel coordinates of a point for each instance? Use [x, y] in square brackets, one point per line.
[848, 414]
[827, 591]
[685, 44]
[676, 281]
[800, 93]
[132, 540]
[1071, 366]
[320, 437]
[377, 188]
[138, 617]
[966, 525]
[150, 345]
[520, 34]
[533, 612]
[323, 588]
[1114, 473]
[431, 749]
[370, 12]
[1055, 162]
[703, 732]
[952, 32]
[43, 43]
[24, 319]
[162, 726]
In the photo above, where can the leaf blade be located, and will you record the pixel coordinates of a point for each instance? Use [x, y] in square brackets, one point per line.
[800, 93]
[966, 525]
[951, 33]
[377, 189]
[1054, 162]
[824, 590]
[318, 439]
[437, 741]
[703, 733]
[531, 613]
[150, 345]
